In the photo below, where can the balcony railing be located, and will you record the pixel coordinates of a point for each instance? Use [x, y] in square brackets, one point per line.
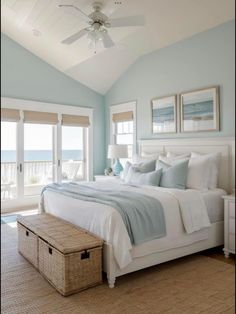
[36, 174]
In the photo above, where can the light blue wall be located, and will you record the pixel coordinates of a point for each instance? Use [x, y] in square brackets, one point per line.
[203, 60]
[25, 76]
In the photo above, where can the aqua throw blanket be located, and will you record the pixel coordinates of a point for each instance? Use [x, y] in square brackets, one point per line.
[143, 215]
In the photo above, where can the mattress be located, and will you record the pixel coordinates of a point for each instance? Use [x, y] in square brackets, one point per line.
[215, 209]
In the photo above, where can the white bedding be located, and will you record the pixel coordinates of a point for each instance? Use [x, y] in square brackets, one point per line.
[107, 223]
[215, 204]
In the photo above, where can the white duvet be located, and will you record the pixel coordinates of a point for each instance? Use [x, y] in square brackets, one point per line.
[185, 214]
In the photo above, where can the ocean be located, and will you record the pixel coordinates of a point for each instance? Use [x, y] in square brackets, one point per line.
[40, 155]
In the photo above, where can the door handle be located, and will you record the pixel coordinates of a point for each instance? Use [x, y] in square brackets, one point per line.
[20, 168]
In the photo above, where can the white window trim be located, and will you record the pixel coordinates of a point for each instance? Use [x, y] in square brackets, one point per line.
[124, 107]
[13, 103]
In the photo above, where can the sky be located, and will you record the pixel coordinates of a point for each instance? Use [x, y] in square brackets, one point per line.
[39, 137]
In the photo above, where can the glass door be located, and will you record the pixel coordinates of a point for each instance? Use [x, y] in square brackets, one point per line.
[8, 161]
[73, 163]
[38, 157]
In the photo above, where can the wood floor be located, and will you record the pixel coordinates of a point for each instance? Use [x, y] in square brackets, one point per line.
[218, 254]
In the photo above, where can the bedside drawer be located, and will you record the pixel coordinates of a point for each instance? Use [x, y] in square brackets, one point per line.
[232, 209]
[232, 226]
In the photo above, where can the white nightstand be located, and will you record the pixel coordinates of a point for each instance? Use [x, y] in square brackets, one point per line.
[229, 224]
[106, 178]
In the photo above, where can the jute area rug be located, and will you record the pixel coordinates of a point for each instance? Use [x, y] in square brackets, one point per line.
[194, 284]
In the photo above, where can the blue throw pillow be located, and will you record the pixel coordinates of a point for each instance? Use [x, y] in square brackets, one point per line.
[175, 176]
[149, 178]
[146, 166]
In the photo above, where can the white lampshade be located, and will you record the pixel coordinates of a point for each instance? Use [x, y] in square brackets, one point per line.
[117, 151]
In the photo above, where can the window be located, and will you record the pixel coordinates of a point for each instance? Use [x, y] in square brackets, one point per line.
[40, 147]
[124, 127]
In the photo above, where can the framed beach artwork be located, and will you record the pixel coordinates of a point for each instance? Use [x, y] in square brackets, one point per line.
[199, 110]
[164, 115]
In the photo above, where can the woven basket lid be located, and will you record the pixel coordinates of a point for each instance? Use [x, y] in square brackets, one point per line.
[62, 235]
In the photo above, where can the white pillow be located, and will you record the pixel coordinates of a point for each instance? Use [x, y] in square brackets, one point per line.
[214, 167]
[198, 173]
[173, 160]
[124, 173]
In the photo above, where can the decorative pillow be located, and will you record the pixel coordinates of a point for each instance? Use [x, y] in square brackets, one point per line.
[147, 166]
[175, 176]
[214, 167]
[174, 160]
[126, 170]
[137, 159]
[143, 167]
[149, 178]
[198, 173]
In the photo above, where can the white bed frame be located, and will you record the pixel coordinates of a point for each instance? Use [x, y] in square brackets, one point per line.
[226, 146]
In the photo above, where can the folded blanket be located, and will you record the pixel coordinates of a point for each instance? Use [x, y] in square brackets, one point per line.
[142, 215]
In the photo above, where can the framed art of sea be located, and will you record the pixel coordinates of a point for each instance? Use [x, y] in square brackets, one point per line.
[164, 118]
[199, 110]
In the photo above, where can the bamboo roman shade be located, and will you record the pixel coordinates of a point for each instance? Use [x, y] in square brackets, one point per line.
[122, 116]
[71, 120]
[10, 115]
[40, 117]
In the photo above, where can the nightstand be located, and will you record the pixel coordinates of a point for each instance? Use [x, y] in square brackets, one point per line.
[106, 178]
[229, 224]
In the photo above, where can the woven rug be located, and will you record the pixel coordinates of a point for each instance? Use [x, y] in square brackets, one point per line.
[194, 284]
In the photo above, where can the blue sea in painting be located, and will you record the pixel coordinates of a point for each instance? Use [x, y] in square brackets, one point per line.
[198, 110]
[40, 155]
[161, 115]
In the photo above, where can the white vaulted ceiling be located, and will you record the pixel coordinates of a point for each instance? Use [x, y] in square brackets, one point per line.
[40, 26]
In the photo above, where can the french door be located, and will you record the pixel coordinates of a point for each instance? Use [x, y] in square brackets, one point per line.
[35, 154]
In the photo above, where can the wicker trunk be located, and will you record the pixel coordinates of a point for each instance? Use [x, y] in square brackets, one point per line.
[70, 258]
[28, 244]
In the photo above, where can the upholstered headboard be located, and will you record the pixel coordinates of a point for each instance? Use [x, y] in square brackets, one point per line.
[225, 146]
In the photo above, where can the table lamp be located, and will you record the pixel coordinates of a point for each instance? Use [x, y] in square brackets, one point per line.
[116, 152]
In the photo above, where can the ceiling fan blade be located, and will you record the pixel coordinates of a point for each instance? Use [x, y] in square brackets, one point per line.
[75, 37]
[72, 9]
[136, 20]
[107, 41]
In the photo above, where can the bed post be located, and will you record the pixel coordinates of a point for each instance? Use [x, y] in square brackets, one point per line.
[109, 264]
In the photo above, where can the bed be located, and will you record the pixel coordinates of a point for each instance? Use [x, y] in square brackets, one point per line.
[119, 255]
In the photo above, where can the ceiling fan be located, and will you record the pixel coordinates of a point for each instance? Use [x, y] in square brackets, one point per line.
[98, 25]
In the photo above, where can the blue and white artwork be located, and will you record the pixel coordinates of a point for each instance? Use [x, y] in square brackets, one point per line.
[199, 111]
[164, 115]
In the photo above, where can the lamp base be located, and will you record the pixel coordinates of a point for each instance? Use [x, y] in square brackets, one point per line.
[117, 167]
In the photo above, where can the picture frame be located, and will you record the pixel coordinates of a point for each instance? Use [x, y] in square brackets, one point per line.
[199, 110]
[164, 114]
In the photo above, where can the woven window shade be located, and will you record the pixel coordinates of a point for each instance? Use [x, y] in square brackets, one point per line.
[71, 120]
[122, 116]
[40, 117]
[11, 115]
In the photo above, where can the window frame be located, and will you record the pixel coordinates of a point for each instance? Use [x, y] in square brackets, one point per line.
[12, 103]
[119, 108]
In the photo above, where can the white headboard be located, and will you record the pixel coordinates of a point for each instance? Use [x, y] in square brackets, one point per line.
[225, 146]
